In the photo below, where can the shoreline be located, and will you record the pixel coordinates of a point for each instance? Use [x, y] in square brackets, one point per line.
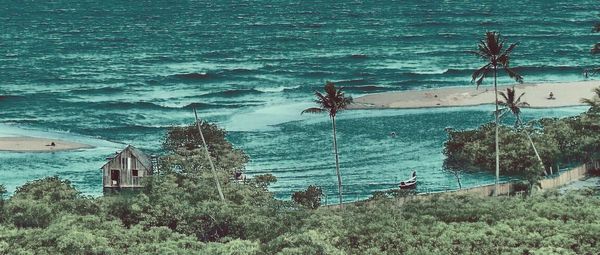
[566, 94]
[27, 144]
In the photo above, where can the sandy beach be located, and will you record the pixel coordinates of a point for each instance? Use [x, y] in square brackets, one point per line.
[565, 94]
[34, 144]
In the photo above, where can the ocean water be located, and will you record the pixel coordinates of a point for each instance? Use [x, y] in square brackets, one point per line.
[116, 73]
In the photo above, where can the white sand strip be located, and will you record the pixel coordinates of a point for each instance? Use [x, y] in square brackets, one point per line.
[34, 144]
[565, 94]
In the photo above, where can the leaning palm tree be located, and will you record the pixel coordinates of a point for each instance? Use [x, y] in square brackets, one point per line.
[514, 105]
[491, 50]
[593, 102]
[332, 102]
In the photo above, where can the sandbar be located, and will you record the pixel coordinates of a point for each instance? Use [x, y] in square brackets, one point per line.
[537, 95]
[35, 144]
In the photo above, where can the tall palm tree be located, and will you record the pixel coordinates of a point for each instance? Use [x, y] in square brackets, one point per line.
[332, 102]
[491, 50]
[514, 105]
[593, 102]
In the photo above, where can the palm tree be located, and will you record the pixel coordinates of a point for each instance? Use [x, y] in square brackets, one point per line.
[514, 105]
[332, 102]
[593, 102]
[491, 50]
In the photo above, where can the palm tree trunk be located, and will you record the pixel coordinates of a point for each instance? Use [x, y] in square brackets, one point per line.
[497, 139]
[533, 146]
[337, 161]
[212, 166]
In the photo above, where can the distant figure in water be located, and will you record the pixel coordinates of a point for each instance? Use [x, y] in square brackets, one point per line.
[551, 96]
[393, 134]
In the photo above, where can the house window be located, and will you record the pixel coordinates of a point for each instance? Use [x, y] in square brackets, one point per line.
[134, 173]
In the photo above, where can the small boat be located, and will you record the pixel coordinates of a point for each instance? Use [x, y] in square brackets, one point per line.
[410, 183]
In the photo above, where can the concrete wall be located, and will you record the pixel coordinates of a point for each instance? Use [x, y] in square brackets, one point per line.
[564, 178]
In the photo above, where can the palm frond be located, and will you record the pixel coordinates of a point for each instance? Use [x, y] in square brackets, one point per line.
[332, 101]
[590, 102]
[483, 48]
[313, 110]
[504, 96]
[491, 41]
[322, 100]
[481, 73]
[510, 49]
[500, 45]
[518, 101]
[344, 102]
[513, 74]
[330, 88]
[597, 92]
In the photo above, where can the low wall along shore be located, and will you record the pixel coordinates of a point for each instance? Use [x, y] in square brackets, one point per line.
[555, 181]
[562, 179]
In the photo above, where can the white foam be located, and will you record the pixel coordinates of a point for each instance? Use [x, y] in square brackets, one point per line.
[265, 117]
[276, 89]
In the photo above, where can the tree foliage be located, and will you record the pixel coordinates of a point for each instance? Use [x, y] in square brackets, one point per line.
[311, 197]
[559, 141]
[180, 213]
[185, 145]
[491, 50]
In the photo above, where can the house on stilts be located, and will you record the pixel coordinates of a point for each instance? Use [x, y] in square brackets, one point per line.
[126, 170]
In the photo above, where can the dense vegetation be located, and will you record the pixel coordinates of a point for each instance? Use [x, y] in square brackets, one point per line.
[182, 216]
[179, 212]
[559, 142]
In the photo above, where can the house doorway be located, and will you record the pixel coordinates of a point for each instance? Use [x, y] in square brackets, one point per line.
[114, 177]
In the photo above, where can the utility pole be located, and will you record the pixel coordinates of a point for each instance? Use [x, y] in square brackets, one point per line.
[212, 166]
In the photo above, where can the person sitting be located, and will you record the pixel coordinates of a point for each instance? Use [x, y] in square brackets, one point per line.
[551, 96]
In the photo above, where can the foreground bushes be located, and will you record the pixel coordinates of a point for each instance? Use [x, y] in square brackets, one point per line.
[171, 221]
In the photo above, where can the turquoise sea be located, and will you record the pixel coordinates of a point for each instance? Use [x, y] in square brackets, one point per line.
[111, 73]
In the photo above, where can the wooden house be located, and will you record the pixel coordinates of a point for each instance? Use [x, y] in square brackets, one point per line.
[126, 170]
